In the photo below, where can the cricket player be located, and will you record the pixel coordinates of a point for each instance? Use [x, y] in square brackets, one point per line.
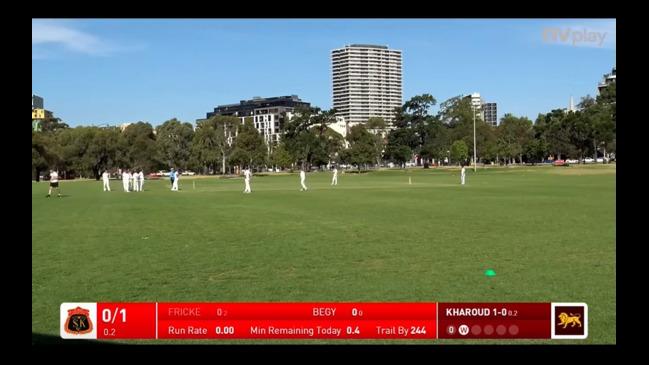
[172, 176]
[106, 178]
[247, 175]
[174, 186]
[463, 174]
[140, 180]
[126, 177]
[302, 179]
[334, 180]
[134, 175]
[54, 183]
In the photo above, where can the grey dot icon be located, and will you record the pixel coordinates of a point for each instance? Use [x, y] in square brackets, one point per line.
[476, 329]
[501, 330]
[513, 330]
[488, 330]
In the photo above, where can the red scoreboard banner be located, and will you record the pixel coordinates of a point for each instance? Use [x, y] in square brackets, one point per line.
[324, 320]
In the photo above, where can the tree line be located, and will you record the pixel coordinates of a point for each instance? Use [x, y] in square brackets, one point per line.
[223, 143]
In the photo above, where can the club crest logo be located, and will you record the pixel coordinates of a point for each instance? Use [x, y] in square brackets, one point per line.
[78, 321]
[569, 320]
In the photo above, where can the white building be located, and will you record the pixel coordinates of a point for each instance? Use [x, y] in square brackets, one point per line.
[607, 79]
[488, 112]
[268, 114]
[367, 82]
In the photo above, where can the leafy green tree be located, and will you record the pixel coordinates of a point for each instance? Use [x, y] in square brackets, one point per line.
[459, 151]
[43, 153]
[552, 127]
[334, 143]
[379, 128]
[514, 133]
[361, 146]
[249, 146]
[535, 150]
[398, 153]
[103, 151]
[280, 157]
[141, 148]
[213, 141]
[174, 143]
[204, 146]
[306, 136]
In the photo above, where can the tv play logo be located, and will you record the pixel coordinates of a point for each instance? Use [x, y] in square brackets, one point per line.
[78, 320]
[569, 320]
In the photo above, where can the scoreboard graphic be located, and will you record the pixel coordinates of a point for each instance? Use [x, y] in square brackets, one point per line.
[324, 320]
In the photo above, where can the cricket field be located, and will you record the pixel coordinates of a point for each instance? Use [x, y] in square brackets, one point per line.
[548, 232]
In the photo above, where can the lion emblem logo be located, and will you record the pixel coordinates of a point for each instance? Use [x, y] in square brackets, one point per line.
[571, 319]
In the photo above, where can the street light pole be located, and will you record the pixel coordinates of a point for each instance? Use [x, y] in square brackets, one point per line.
[474, 151]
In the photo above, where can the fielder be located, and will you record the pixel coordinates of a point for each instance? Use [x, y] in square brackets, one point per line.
[463, 175]
[174, 186]
[140, 180]
[106, 178]
[126, 177]
[303, 179]
[334, 180]
[247, 175]
[134, 177]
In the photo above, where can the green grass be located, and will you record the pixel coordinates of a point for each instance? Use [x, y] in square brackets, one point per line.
[548, 232]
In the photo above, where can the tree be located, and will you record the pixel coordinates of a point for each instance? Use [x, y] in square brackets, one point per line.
[249, 146]
[361, 146]
[280, 157]
[174, 140]
[204, 146]
[414, 118]
[398, 148]
[458, 115]
[306, 136]
[606, 121]
[334, 144]
[379, 128]
[459, 151]
[513, 133]
[553, 129]
[140, 146]
[103, 150]
[579, 131]
[52, 125]
[399, 154]
[535, 150]
[213, 140]
[43, 153]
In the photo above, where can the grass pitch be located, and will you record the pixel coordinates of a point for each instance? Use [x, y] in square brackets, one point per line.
[548, 232]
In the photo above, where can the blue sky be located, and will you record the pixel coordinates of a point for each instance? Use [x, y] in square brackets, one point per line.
[99, 71]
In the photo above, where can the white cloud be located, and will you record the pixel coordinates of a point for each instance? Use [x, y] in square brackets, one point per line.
[48, 33]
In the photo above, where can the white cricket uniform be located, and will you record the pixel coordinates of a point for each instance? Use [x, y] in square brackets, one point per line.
[302, 179]
[247, 174]
[174, 187]
[463, 175]
[126, 177]
[334, 180]
[106, 178]
[140, 180]
[134, 186]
